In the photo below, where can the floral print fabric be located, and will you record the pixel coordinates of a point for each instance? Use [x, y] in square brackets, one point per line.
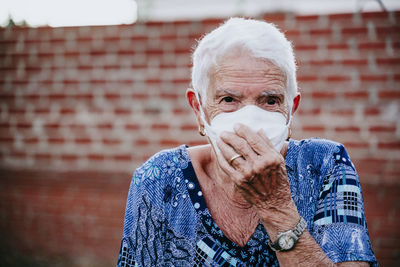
[167, 222]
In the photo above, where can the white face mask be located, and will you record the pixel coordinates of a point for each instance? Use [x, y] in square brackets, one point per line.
[272, 123]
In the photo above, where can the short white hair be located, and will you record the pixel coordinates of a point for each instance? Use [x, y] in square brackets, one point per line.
[261, 39]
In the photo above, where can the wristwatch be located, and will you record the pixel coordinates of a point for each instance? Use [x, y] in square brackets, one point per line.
[286, 241]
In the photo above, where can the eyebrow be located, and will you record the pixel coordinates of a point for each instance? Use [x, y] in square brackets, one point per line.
[227, 91]
[223, 91]
[273, 93]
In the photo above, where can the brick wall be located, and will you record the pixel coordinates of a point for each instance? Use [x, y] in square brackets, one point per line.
[81, 108]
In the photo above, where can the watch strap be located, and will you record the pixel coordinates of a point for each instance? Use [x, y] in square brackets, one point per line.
[296, 232]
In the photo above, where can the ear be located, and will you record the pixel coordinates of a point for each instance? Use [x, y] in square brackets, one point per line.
[194, 104]
[296, 102]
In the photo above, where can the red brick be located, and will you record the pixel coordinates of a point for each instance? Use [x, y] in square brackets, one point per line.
[189, 127]
[24, 125]
[160, 126]
[96, 157]
[374, 15]
[320, 31]
[389, 94]
[123, 157]
[306, 47]
[183, 51]
[141, 142]
[304, 78]
[69, 157]
[388, 61]
[112, 67]
[372, 45]
[179, 81]
[356, 145]
[154, 52]
[105, 126]
[373, 78]
[275, 17]
[347, 129]
[292, 34]
[343, 112]
[355, 62]
[322, 95]
[121, 111]
[6, 139]
[346, 16]
[357, 94]
[213, 22]
[45, 156]
[153, 81]
[133, 127]
[42, 110]
[31, 141]
[387, 30]
[180, 111]
[355, 30]
[338, 46]
[67, 111]
[313, 128]
[56, 140]
[390, 129]
[5, 124]
[337, 78]
[142, 96]
[171, 96]
[138, 38]
[110, 141]
[127, 52]
[371, 111]
[112, 96]
[83, 141]
[395, 145]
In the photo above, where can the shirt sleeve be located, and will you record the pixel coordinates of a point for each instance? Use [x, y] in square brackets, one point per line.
[340, 226]
[144, 221]
[127, 251]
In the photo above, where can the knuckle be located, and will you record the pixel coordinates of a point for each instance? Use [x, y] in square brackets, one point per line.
[239, 178]
[241, 145]
[247, 172]
[259, 167]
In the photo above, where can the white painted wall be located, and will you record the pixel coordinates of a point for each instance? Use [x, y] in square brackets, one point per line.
[200, 9]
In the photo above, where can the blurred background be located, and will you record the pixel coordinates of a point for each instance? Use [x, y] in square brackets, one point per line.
[90, 89]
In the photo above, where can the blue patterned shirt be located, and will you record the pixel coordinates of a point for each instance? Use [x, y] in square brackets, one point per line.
[167, 222]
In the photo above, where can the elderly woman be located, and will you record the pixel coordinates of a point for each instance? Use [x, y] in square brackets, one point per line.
[253, 196]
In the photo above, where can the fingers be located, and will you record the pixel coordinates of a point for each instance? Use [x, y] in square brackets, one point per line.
[224, 157]
[227, 153]
[259, 143]
[238, 144]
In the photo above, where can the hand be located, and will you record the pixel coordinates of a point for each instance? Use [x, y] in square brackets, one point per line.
[260, 174]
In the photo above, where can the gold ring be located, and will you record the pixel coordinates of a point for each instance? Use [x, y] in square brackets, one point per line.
[234, 157]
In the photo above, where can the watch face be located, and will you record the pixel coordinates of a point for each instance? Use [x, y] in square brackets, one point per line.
[286, 242]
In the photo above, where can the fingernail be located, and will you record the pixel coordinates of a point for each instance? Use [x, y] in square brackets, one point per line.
[236, 126]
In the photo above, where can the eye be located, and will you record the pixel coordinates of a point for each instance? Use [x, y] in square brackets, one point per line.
[272, 101]
[227, 99]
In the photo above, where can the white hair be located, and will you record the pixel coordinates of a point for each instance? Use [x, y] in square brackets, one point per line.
[261, 39]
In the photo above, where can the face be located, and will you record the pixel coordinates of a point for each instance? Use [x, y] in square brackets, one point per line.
[240, 80]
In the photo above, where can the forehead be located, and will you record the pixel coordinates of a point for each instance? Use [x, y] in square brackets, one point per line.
[247, 74]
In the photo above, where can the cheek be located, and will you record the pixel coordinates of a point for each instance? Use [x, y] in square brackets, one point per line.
[284, 109]
[210, 110]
